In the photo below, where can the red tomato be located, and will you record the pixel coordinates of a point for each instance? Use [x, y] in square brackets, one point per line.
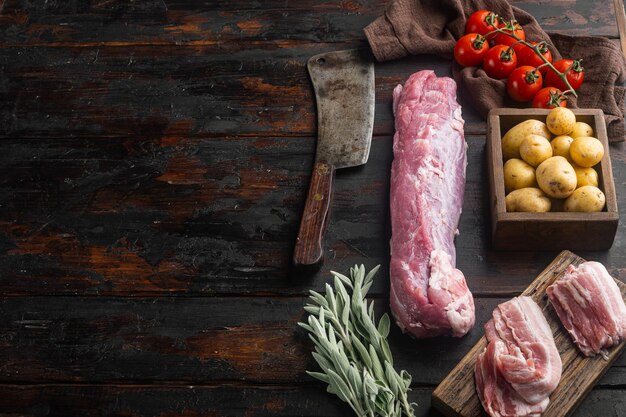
[524, 83]
[549, 98]
[527, 56]
[499, 61]
[509, 27]
[574, 73]
[470, 50]
[477, 22]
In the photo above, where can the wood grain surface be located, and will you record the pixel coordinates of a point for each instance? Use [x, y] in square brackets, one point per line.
[155, 162]
[456, 395]
[309, 249]
[620, 16]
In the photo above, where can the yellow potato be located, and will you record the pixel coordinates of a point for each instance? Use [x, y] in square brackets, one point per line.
[535, 149]
[518, 174]
[560, 146]
[561, 121]
[514, 137]
[586, 151]
[531, 200]
[556, 177]
[587, 199]
[585, 176]
[581, 129]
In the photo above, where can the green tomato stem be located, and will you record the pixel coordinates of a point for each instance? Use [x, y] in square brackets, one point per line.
[479, 42]
[535, 48]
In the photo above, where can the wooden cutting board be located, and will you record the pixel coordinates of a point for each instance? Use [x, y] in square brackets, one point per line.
[456, 395]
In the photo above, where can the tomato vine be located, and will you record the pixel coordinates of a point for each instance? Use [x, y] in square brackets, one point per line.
[509, 30]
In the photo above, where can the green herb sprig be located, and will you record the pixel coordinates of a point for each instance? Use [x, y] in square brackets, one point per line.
[352, 351]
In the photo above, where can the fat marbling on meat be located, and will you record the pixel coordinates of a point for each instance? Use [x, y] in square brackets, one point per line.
[521, 365]
[590, 306]
[428, 296]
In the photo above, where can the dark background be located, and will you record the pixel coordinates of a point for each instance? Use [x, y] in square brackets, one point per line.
[154, 161]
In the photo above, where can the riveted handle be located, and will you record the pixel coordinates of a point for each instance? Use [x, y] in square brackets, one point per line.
[308, 250]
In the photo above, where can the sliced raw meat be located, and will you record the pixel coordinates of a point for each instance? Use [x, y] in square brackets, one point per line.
[521, 365]
[496, 395]
[590, 306]
[429, 296]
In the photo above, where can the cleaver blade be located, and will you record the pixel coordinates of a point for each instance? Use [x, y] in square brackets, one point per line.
[344, 92]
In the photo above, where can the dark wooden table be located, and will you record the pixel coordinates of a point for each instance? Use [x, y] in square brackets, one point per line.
[154, 163]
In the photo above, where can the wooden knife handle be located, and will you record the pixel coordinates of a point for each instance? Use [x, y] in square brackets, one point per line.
[308, 250]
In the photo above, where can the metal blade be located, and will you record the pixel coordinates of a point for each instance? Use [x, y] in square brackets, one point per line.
[344, 91]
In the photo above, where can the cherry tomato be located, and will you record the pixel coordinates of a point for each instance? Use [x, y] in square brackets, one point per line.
[470, 50]
[509, 27]
[477, 22]
[499, 61]
[524, 83]
[527, 56]
[574, 73]
[549, 98]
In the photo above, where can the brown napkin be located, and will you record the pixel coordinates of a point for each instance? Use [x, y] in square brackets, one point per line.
[433, 26]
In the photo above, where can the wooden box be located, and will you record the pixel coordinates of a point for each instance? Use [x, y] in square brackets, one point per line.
[553, 230]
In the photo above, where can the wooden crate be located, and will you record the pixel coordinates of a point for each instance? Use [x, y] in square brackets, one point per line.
[553, 230]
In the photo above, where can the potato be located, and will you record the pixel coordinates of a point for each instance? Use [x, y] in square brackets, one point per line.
[581, 129]
[560, 121]
[514, 137]
[518, 174]
[556, 177]
[586, 151]
[535, 149]
[531, 200]
[587, 199]
[560, 146]
[585, 176]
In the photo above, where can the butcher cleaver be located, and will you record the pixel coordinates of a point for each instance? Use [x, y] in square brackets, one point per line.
[344, 91]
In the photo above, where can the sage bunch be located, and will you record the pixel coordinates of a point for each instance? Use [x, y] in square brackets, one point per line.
[352, 351]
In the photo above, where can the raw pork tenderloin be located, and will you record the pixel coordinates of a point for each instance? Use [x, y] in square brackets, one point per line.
[590, 306]
[521, 365]
[429, 296]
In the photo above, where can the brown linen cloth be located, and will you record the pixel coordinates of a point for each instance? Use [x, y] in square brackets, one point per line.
[433, 26]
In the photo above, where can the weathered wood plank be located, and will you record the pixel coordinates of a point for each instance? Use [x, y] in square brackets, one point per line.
[193, 401]
[217, 216]
[218, 22]
[148, 93]
[193, 340]
[150, 400]
[620, 17]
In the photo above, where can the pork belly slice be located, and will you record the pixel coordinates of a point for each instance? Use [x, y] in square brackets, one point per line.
[429, 295]
[521, 365]
[590, 306]
[497, 396]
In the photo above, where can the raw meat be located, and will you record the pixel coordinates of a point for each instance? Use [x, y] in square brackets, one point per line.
[590, 306]
[496, 395]
[521, 365]
[429, 296]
